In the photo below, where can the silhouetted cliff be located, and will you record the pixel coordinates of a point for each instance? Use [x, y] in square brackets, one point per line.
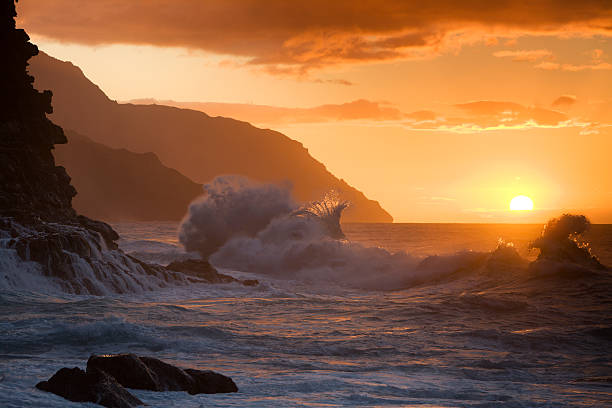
[199, 146]
[44, 244]
[31, 186]
[116, 184]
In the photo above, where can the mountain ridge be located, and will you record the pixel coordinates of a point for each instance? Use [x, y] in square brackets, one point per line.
[124, 186]
[197, 145]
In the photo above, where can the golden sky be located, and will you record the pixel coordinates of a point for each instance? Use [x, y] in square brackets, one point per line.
[441, 110]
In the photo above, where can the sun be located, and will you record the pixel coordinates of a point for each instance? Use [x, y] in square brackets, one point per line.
[521, 203]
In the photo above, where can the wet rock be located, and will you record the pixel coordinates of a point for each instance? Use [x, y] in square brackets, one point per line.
[147, 373]
[250, 282]
[204, 270]
[92, 385]
[106, 231]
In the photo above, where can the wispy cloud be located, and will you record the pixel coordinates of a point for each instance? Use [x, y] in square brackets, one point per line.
[524, 55]
[596, 63]
[469, 117]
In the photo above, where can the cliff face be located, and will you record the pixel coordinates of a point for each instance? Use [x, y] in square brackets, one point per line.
[32, 186]
[119, 185]
[44, 244]
[199, 146]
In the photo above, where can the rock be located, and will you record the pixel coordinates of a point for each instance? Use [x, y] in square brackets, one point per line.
[93, 385]
[147, 373]
[31, 185]
[106, 231]
[250, 282]
[204, 270]
[201, 269]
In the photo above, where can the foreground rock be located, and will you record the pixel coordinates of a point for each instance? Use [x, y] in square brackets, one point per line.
[93, 385]
[147, 373]
[204, 270]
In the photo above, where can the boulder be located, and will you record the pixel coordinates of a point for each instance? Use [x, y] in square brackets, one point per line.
[147, 373]
[92, 385]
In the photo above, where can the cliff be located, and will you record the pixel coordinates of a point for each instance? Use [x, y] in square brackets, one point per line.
[116, 184]
[197, 145]
[44, 244]
[32, 186]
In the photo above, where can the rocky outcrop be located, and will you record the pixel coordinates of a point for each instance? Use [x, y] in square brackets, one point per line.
[31, 186]
[106, 376]
[119, 185]
[40, 232]
[204, 270]
[147, 373]
[197, 145]
[92, 385]
[78, 260]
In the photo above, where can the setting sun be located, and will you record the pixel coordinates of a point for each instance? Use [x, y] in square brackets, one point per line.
[521, 203]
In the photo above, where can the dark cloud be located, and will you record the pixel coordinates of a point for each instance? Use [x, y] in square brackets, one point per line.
[305, 34]
[564, 101]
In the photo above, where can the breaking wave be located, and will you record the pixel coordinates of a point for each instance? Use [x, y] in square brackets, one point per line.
[308, 244]
[232, 206]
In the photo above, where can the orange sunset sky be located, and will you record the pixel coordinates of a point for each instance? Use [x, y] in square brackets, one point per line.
[443, 111]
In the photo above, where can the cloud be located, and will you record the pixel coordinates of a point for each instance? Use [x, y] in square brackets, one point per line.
[564, 101]
[596, 63]
[302, 35]
[361, 109]
[481, 116]
[524, 55]
[469, 117]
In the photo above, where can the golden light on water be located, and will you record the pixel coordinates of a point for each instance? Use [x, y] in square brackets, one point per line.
[521, 203]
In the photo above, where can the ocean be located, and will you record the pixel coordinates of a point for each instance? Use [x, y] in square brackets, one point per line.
[484, 330]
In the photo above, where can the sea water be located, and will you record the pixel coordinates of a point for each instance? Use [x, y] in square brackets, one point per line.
[500, 337]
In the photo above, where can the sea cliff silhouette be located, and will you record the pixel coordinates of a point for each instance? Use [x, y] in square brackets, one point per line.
[197, 145]
[44, 244]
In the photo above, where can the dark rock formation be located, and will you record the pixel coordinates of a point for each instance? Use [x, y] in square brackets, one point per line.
[116, 184]
[81, 261]
[93, 385]
[37, 222]
[197, 145]
[204, 270]
[146, 373]
[31, 186]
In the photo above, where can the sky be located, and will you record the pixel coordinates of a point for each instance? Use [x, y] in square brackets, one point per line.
[442, 111]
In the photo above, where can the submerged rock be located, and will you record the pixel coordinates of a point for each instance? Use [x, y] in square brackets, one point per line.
[92, 385]
[204, 270]
[147, 373]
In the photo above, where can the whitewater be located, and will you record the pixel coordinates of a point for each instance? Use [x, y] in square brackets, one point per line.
[435, 315]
